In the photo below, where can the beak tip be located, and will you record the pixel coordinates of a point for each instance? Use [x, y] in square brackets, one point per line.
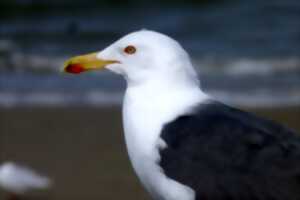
[74, 68]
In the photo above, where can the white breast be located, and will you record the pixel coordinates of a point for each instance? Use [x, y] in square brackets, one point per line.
[145, 111]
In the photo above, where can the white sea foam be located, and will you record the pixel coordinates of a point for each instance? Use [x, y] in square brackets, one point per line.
[247, 66]
[100, 98]
[94, 98]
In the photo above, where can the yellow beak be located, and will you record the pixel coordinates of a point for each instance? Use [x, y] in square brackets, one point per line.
[86, 62]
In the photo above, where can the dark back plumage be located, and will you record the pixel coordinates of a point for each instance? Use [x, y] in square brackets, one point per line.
[224, 153]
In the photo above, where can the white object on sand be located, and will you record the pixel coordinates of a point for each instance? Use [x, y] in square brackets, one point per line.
[19, 179]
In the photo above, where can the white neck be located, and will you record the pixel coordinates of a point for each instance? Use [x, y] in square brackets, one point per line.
[147, 107]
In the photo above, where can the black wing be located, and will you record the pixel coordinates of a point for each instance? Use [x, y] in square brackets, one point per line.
[225, 153]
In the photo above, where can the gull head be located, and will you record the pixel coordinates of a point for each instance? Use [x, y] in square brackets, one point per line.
[139, 57]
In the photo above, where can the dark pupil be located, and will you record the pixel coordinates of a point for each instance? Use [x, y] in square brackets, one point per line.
[130, 49]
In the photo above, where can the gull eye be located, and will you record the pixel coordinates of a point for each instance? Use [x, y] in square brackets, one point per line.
[130, 49]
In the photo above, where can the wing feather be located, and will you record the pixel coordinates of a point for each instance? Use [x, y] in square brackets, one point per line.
[224, 153]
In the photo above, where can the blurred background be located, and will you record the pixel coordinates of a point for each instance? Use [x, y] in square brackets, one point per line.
[69, 127]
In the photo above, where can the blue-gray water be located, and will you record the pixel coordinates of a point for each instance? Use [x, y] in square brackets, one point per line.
[232, 28]
[107, 89]
[247, 52]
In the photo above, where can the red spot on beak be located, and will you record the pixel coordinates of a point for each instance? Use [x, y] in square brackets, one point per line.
[74, 68]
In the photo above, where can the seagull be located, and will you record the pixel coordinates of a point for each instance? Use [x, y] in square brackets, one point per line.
[17, 180]
[185, 145]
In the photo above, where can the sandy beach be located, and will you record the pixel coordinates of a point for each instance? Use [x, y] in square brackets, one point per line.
[83, 149]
